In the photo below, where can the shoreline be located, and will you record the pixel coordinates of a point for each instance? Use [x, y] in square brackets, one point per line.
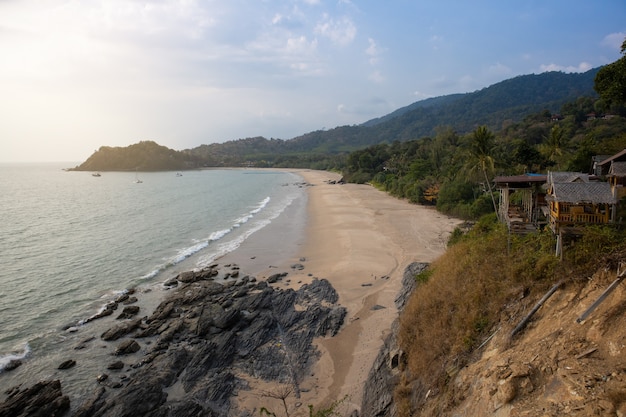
[358, 238]
[361, 240]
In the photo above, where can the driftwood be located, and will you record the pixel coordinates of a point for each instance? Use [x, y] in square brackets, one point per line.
[609, 290]
[525, 320]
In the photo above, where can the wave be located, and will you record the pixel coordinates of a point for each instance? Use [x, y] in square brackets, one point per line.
[5, 360]
[225, 248]
[215, 240]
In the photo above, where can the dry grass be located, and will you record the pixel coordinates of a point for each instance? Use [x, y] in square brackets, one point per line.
[462, 301]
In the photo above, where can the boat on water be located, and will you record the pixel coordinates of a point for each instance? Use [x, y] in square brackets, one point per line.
[96, 174]
[137, 180]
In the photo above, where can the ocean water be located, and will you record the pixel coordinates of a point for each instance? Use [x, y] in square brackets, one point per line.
[70, 242]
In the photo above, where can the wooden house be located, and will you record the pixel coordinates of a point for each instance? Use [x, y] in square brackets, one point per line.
[617, 178]
[576, 199]
[605, 165]
[521, 200]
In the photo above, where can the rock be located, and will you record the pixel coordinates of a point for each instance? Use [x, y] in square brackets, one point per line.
[70, 363]
[130, 300]
[43, 399]
[127, 347]
[187, 277]
[13, 364]
[117, 365]
[102, 377]
[172, 282]
[298, 267]
[128, 312]
[276, 277]
[507, 391]
[210, 337]
[382, 379]
[409, 283]
[118, 331]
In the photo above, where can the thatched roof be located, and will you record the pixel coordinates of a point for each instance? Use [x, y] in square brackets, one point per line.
[581, 192]
[618, 169]
[620, 156]
[554, 177]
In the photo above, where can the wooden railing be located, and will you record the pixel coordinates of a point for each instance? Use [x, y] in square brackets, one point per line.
[588, 218]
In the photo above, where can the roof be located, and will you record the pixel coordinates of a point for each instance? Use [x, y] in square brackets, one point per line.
[557, 177]
[522, 180]
[618, 169]
[620, 156]
[583, 192]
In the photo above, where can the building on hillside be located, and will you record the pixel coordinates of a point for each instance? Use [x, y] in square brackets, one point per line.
[521, 200]
[576, 199]
[604, 166]
[617, 179]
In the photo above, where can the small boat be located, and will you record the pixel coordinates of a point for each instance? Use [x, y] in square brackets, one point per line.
[137, 180]
[96, 174]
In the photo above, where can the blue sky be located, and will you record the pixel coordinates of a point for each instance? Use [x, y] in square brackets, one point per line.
[76, 75]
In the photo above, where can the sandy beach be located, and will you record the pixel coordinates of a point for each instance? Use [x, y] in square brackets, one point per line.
[361, 240]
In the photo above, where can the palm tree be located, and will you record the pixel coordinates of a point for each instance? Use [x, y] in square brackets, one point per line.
[554, 144]
[481, 156]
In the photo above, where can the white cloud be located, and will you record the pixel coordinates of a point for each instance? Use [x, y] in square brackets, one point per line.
[340, 32]
[614, 40]
[377, 77]
[582, 67]
[373, 51]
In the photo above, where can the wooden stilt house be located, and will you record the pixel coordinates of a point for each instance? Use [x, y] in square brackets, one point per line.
[521, 200]
[576, 199]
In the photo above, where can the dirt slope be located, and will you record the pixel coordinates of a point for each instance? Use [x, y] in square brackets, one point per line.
[555, 366]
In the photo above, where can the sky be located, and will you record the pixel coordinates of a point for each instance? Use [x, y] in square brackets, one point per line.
[76, 75]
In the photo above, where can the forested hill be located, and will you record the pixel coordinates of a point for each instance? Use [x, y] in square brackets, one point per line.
[511, 99]
[503, 103]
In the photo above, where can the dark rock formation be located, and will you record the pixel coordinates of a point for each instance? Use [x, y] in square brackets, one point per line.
[204, 336]
[127, 347]
[382, 379]
[70, 363]
[13, 364]
[43, 399]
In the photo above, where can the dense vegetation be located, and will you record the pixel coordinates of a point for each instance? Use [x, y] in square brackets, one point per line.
[142, 156]
[454, 172]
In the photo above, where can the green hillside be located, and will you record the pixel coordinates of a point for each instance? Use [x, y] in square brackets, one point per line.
[499, 105]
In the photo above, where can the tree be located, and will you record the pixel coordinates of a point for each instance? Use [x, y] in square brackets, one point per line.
[481, 155]
[554, 143]
[610, 81]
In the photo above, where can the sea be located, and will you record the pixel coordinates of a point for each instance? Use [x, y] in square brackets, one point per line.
[70, 242]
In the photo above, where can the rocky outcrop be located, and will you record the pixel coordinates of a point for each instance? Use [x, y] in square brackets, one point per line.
[193, 352]
[43, 399]
[382, 379]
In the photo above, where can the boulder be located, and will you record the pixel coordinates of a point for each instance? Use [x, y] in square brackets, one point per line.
[127, 347]
[128, 312]
[120, 330]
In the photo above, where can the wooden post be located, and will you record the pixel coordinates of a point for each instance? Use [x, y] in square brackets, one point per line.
[525, 320]
[602, 297]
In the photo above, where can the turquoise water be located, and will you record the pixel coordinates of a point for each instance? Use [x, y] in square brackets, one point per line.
[70, 241]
